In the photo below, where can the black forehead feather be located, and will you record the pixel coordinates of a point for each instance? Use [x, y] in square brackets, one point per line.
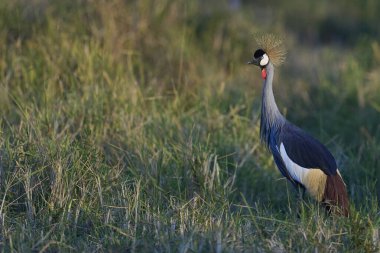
[259, 53]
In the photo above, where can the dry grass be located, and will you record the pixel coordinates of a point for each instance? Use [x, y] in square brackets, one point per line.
[133, 126]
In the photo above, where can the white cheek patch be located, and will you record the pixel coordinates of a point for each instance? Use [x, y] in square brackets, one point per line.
[264, 61]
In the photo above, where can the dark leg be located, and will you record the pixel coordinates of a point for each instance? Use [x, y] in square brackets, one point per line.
[301, 193]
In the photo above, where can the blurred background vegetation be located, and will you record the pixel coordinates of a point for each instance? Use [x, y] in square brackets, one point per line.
[133, 125]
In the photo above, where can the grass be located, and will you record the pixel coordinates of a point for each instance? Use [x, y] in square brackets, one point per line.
[133, 126]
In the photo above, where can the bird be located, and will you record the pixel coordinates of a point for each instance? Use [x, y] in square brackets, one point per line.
[302, 159]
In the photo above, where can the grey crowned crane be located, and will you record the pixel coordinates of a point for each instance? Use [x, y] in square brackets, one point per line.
[302, 159]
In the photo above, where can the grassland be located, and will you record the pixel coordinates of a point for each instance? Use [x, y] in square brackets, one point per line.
[132, 126]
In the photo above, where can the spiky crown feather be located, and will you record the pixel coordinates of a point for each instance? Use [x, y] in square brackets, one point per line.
[273, 47]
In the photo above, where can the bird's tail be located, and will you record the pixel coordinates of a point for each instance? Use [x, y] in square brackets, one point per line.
[335, 197]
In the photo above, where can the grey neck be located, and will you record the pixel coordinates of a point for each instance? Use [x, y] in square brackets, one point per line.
[271, 118]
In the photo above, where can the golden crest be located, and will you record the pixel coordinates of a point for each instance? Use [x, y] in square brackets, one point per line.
[273, 46]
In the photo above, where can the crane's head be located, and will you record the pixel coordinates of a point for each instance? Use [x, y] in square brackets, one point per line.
[260, 58]
[271, 50]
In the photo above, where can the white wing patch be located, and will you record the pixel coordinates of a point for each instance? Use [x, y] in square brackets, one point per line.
[297, 172]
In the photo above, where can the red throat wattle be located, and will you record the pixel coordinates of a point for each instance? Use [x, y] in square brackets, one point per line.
[264, 74]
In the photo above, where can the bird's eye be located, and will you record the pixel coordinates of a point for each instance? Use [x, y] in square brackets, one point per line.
[264, 60]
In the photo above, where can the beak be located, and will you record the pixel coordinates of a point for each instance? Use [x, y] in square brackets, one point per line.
[254, 61]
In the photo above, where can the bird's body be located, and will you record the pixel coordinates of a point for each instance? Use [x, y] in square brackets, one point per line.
[303, 160]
